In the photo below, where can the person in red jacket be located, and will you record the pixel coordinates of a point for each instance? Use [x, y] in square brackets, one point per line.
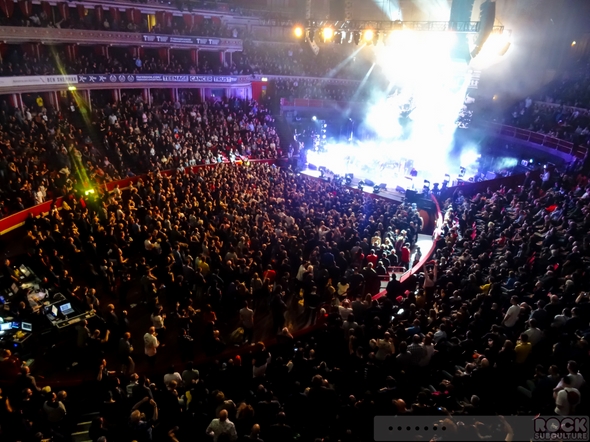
[372, 258]
[406, 254]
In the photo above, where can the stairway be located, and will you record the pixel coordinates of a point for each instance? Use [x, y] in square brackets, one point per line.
[80, 431]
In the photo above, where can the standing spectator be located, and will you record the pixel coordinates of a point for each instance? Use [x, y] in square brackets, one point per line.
[222, 425]
[151, 345]
[406, 255]
[125, 352]
[512, 315]
[158, 322]
[247, 322]
[567, 399]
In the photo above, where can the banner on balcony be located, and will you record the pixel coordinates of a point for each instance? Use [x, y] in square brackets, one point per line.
[153, 38]
[39, 80]
[43, 79]
[154, 78]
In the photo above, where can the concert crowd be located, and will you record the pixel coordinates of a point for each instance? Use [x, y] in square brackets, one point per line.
[206, 247]
[41, 155]
[555, 121]
[244, 301]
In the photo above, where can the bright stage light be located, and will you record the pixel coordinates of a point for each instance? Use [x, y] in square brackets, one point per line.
[298, 31]
[469, 158]
[495, 47]
[417, 119]
[382, 119]
[314, 118]
[327, 33]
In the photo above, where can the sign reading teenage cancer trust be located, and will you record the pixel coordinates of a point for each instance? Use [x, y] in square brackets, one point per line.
[41, 80]
[154, 78]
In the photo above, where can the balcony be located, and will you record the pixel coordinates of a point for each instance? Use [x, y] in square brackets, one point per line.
[17, 35]
[562, 148]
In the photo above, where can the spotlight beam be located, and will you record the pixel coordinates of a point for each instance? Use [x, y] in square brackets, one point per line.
[359, 88]
[362, 83]
[343, 63]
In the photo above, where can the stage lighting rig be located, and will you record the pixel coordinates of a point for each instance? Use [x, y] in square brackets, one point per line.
[348, 178]
[426, 188]
[446, 181]
[370, 31]
[327, 34]
[376, 188]
[356, 37]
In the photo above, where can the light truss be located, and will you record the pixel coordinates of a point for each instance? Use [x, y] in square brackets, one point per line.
[465, 27]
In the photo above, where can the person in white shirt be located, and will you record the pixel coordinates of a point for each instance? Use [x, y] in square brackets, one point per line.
[535, 335]
[220, 426]
[560, 320]
[247, 322]
[511, 317]
[158, 320]
[172, 375]
[345, 310]
[151, 344]
[566, 399]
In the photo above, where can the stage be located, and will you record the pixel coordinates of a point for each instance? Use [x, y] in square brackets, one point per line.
[387, 193]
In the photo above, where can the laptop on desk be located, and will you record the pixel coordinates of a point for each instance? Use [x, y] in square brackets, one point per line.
[51, 313]
[66, 309]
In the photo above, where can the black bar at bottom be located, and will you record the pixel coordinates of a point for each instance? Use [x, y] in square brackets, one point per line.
[488, 428]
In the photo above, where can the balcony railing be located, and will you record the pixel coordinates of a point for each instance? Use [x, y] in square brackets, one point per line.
[537, 138]
[18, 34]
